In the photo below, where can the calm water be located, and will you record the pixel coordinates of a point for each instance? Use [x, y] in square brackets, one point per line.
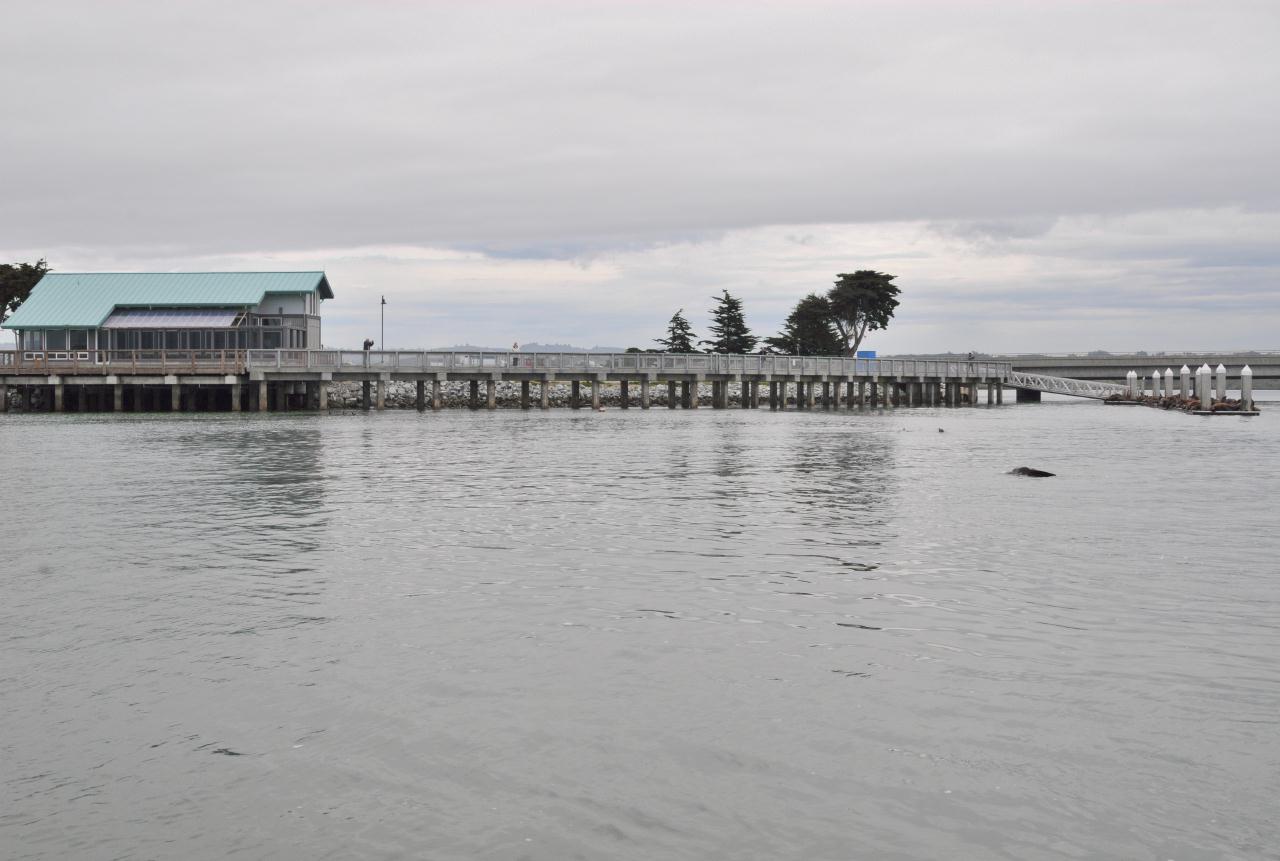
[641, 635]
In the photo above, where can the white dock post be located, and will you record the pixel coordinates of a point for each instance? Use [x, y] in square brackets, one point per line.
[1131, 382]
[1221, 373]
[1204, 382]
[1168, 382]
[1155, 384]
[1185, 379]
[1246, 388]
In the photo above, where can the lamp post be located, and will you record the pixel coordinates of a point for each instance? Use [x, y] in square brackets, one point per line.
[383, 342]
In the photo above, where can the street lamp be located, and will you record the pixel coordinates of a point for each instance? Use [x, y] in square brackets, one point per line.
[383, 342]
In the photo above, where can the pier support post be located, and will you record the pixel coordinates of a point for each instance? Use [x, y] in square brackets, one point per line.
[694, 387]
[117, 398]
[874, 398]
[595, 394]
[999, 393]
[624, 389]
[524, 394]
[4, 397]
[773, 395]
[544, 393]
[59, 394]
[575, 394]
[322, 396]
[235, 397]
[263, 406]
[644, 393]
[490, 394]
[366, 396]
[380, 403]
[810, 395]
[715, 394]
[436, 395]
[684, 395]
[671, 394]
[420, 396]
[473, 400]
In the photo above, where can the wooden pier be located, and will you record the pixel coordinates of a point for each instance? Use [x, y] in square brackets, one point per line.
[278, 380]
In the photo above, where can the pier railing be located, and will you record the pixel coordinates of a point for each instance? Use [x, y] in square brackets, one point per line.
[412, 361]
[104, 362]
[80, 362]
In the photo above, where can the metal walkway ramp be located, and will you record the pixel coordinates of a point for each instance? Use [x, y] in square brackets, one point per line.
[1063, 385]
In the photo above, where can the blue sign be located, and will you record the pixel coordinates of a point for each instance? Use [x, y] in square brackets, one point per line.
[866, 354]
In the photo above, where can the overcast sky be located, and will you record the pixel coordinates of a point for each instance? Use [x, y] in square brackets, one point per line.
[1039, 176]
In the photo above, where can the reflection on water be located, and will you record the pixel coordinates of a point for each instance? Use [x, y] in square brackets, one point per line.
[638, 635]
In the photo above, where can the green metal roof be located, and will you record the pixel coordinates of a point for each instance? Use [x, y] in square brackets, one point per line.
[86, 299]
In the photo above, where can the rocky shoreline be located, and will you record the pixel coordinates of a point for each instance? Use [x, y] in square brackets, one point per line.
[457, 394]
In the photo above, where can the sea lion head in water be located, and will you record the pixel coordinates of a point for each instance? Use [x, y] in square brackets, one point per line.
[1030, 473]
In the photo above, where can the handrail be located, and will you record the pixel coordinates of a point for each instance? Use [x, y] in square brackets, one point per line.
[104, 362]
[463, 361]
[82, 362]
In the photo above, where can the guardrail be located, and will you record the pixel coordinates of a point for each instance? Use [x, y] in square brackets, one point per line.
[416, 361]
[122, 361]
[419, 361]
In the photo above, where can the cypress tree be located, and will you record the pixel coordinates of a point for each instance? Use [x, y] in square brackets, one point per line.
[679, 335]
[729, 327]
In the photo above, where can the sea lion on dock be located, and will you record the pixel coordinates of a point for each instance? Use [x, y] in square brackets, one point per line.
[1030, 473]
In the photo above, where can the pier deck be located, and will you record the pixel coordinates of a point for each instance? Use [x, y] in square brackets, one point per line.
[282, 379]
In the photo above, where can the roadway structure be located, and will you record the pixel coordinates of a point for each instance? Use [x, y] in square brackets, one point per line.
[1112, 368]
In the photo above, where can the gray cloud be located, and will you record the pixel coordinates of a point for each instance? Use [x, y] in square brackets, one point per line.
[553, 130]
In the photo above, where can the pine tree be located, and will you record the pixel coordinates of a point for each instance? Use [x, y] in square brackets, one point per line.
[679, 335]
[808, 330]
[729, 328]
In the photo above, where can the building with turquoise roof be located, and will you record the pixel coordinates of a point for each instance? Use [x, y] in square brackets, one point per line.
[84, 312]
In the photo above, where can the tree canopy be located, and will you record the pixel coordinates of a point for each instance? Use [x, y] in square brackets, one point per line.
[861, 302]
[16, 281]
[679, 335]
[808, 330]
[729, 327]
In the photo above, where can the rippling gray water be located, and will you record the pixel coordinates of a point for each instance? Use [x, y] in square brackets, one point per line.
[641, 635]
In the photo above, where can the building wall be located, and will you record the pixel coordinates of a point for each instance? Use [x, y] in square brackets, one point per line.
[292, 303]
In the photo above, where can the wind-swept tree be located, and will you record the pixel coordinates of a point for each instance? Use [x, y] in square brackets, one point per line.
[729, 327]
[679, 335]
[861, 302]
[16, 281]
[808, 330]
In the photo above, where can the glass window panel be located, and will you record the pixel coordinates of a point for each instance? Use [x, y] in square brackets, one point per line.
[78, 339]
[56, 339]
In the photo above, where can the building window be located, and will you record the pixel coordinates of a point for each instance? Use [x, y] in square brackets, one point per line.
[56, 339]
[77, 339]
